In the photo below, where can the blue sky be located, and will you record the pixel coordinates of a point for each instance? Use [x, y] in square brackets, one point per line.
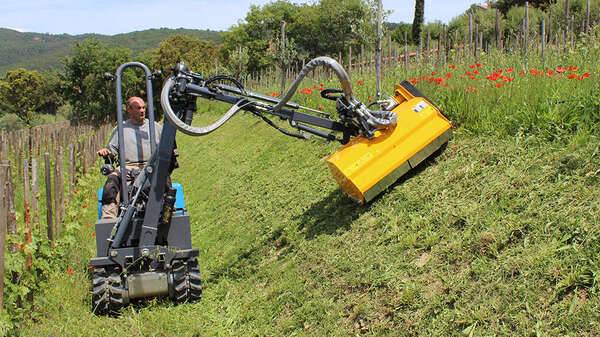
[122, 16]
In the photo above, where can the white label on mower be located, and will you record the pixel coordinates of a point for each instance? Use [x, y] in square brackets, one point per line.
[420, 106]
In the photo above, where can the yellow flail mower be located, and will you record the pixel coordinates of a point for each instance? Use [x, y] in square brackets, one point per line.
[380, 145]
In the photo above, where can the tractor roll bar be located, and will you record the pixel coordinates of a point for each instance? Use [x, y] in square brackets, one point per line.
[124, 196]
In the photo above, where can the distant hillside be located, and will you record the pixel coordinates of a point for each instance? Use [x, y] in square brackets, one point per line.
[45, 51]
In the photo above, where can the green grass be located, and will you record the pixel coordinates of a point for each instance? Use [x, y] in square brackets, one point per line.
[495, 235]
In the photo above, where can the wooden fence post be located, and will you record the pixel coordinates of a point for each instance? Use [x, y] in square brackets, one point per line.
[49, 217]
[378, 49]
[550, 26]
[567, 16]
[497, 28]
[349, 60]
[543, 41]
[34, 191]
[406, 54]
[71, 171]
[26, 214]
[587, 18]
[476, 47]
[470, 28]
[3, 225]
[11, 225]
[429, 58]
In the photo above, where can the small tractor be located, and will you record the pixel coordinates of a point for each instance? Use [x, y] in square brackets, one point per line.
[147, 250]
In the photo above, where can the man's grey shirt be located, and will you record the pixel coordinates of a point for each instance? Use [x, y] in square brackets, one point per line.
[136, 141]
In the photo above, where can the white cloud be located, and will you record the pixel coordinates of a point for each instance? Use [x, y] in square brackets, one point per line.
[22, 30]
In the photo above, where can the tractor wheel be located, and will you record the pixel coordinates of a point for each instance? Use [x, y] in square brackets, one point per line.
[187, 284]
[100, 291]
[108, 291]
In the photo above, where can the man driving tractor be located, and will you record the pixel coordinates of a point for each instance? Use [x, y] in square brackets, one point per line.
[136, 136]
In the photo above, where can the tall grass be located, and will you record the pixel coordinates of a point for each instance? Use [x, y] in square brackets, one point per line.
[496, 235]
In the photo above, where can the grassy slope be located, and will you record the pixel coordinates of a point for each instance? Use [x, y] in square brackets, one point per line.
[481, 235]
[498, 234]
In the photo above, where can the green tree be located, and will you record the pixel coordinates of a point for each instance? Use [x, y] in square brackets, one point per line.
[21, 92]
[52, 98]
[198, 55]
[514, 20]
[83, 83]
[398, 33]
[505, 5]
[484, 20]
[262, 25]
[418, 20]
[326, 27]
[577, 9]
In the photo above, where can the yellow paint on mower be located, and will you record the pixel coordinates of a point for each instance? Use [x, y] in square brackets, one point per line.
[366, 167]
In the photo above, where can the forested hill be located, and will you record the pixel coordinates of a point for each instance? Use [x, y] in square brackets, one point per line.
[37, 51]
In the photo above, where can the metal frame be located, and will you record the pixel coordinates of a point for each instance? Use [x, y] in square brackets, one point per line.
[124, 196]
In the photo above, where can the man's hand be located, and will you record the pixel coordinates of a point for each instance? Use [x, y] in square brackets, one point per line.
[103, 152]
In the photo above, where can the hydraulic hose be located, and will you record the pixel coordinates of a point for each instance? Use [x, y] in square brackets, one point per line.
[337, 68]
[188, 129]
[377, 119]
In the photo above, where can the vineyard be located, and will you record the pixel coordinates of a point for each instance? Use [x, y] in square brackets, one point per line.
[495, 235]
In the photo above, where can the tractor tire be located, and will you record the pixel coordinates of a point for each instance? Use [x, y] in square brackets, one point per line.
[107, 291]
[187, 283]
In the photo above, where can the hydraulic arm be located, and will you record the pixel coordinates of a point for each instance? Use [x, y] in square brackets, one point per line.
[386, 146]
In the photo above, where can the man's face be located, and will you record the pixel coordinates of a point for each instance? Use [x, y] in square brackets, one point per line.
[137, 111]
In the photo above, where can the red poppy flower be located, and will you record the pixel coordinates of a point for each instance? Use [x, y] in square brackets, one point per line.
[360, 82]
[445, 85]
[88, 225]
[433, 73]
[499, 85]
[452, 66]
[560, 70]
[93, 234]
[550, 72]
[471, 66]
[586, 75]
[572, 76]
[322, 84]
[472, 77]
[579, 78]
[478, 64]
[315, 86]
[451, 88]
[90, 267]
[499, 71]
[476, 72]
[510, 70]
[69, 271]
[522, 72]
[320, 107]
[448, 75]
[414, 81]
[84, 206]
